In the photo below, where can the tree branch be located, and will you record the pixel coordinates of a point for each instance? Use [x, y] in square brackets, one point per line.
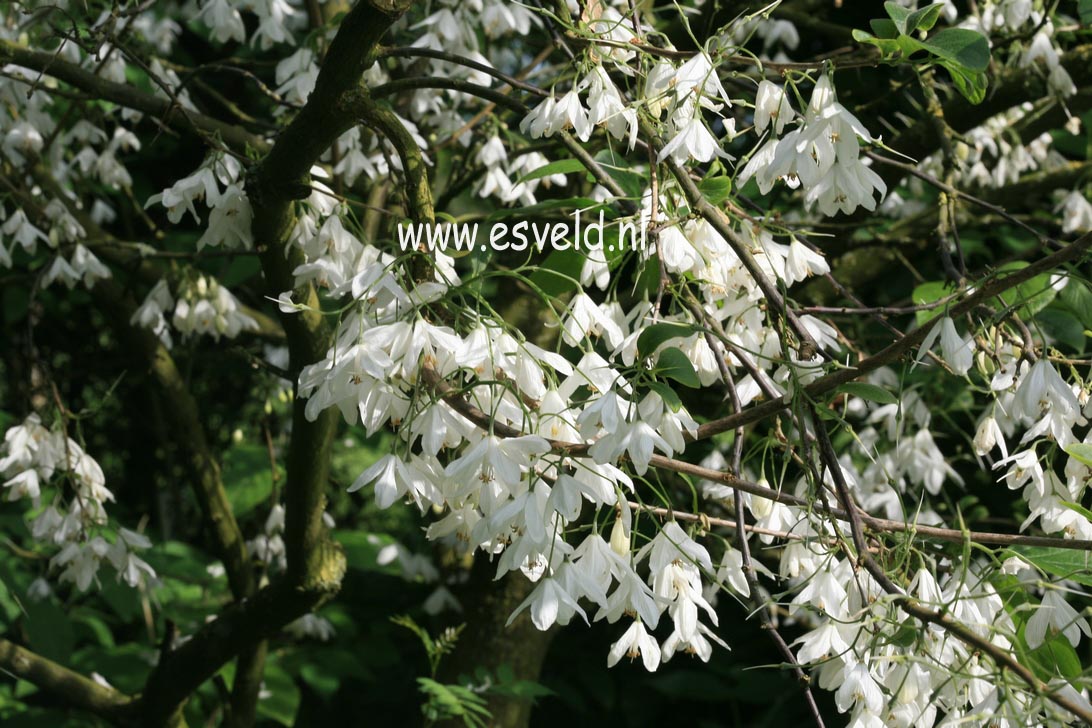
[576, 449]
[65, 684]
[914, 607]
[1012, 88]
[279, 179]
[130, 97]
[990, 288]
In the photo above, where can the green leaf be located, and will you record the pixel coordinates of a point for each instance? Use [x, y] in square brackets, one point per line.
[656, 334]
[1082, 451]
[1078, 299]
[906, 635]
[563, 166]
[972, 84]
[559, 273]
[674, 364]
[1032, 296]
[49, 630]
[1062, 327]
[962, 46]
[1084, 10]
[716, 189]
[887, 45]
[871, 392]
[282, 696]
[93, 624]
[925, 18]
[1063, 563]
[632, 182]
[667, 394]
[929, 293]
[898, 15]
[247, 477]
[1055, 657]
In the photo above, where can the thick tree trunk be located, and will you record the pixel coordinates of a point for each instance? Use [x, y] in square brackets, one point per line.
[486, 642]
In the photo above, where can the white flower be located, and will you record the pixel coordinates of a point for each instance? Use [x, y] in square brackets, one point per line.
[311, 626]
[988, 436]
[1076, 213]
[957, 351]
[224, 20]
[772, 104]
[823, 157]
[657, 87]
[822, 642]
[692, 141]
[606, 107]
[60, 270]
[802, 262]
[549, 603]
[1055, 614]
[554, 115]
[394, 479]
[87, 266]
[697, 644]
[81, 561]
[495, 459]
[229, 222]
[636, 642]
[859, 689]
[24, 485]
[1044, 396]
[585, 319]
[698, 76]
[570, 113]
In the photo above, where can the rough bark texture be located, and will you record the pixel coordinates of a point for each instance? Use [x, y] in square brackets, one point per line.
[486, 642]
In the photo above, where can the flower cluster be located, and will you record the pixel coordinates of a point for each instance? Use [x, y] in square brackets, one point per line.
[35, 460]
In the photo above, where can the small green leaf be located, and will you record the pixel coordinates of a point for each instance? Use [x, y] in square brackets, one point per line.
[49, 630]
[871, 392]
[667, 394]
[1032, 296]
[963, 46]
[560, 272]
[898, 15]
[656, 334]
[281, 698]
[248, 477]
[925, 18]
[563, 166]
[1084, 10]
[1080, 451]
[929, 293]
[1063, 563]
[906, 635]
[888, 46]
[972, 84]
[716, 189]
[674, 364]
[1078, 299]
[1061, 327]
[632, 182]
[884, 29]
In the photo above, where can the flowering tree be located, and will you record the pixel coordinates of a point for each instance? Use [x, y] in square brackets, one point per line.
[816, 359]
